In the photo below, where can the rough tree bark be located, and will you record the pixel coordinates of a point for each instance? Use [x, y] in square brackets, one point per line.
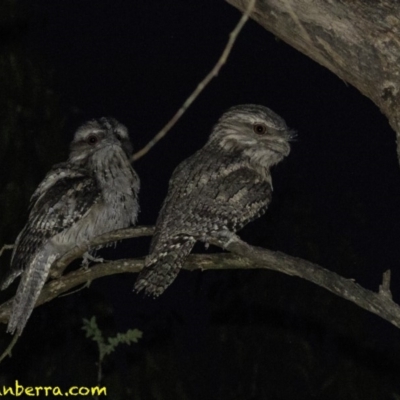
[244, 257]
[357, 40]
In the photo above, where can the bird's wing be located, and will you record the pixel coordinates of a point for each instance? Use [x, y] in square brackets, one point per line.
[57, 172]
[205, 196]
[57, 204]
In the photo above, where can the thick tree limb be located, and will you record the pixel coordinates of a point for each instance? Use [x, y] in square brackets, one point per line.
[242, 256]
[357, 40]
[100, 241]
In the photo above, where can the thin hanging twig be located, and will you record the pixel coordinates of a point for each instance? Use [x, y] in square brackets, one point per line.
[200, 87]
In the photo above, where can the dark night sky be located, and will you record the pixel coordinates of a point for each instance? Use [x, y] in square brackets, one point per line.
[335, 197]
[139, 61]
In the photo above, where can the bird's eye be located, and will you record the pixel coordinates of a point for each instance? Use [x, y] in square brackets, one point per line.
[260, 129]
[92, 139]
[118, 136]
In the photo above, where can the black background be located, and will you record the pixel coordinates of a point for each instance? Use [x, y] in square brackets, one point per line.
[213, 334]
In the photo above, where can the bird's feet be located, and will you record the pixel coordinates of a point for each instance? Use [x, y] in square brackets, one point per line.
[87, 258]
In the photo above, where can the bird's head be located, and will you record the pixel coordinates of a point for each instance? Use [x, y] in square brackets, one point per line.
[256, 131]
[98, 134]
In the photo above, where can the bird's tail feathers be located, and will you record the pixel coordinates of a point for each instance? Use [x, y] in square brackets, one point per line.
[159, 274]
[28, 291]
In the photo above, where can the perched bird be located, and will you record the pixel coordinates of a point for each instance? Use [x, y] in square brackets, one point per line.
[94, 192]
[219, 189]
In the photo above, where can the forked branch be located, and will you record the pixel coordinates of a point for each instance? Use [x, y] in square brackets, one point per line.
[241, 256]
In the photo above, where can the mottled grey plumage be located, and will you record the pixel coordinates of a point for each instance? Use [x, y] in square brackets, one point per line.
[219, 189]
[94, 192]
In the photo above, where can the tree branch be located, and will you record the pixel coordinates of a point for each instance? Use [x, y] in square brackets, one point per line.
[380, 303]
[6, 247]
[201, 86]
[357, 40]
[242, 256]
[98, 242]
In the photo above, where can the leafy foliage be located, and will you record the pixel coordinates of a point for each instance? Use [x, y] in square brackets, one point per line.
[107, 347]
